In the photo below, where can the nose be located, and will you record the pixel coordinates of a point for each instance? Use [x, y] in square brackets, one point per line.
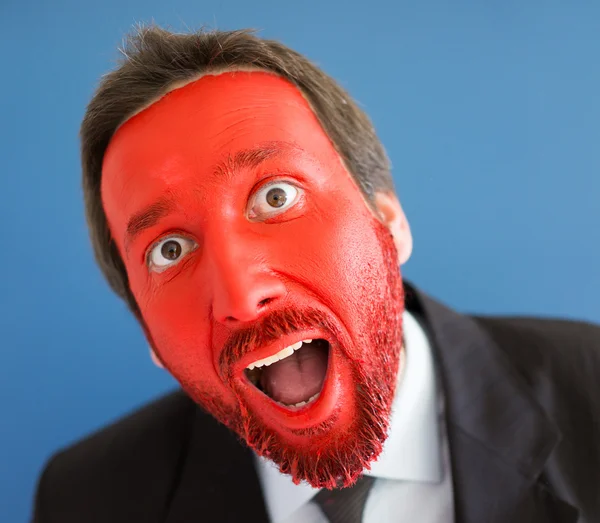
[243, 286]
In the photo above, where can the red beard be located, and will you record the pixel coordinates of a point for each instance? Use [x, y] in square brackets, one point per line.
[331, 458]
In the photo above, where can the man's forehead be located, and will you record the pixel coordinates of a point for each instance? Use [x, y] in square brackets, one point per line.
[211, 119]
[219, 109]
[181, 84]
[194, 132]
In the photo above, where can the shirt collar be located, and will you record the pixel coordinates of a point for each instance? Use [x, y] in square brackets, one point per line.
[412, 449]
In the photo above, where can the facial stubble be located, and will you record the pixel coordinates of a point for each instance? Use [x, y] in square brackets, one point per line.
[331, 457]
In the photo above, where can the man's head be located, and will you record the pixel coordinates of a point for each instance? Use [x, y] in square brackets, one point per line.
[242, 205]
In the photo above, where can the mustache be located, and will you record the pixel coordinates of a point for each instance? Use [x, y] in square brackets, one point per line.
[269, 329]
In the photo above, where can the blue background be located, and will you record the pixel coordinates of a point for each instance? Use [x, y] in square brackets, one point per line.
[490, 112]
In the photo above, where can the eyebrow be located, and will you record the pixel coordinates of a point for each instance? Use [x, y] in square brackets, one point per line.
[243, 159]
[250, 159]
[146, 218]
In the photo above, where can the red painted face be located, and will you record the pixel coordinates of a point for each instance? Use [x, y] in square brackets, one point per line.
[243, 235]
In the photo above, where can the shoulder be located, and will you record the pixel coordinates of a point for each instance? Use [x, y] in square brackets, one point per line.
[134, 458]
[559, 363]
[545, 340]
[559, 359]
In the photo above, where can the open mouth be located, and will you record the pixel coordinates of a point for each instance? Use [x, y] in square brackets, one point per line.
[294, 376]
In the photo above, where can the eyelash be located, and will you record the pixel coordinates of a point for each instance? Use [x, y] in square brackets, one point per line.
[295, 179]
[162, 239]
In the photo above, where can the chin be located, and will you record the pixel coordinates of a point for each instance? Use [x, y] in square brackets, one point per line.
[329, 442]
[328, 433]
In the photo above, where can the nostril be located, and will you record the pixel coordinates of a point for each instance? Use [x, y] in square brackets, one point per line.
[248, 310]
[264, 302]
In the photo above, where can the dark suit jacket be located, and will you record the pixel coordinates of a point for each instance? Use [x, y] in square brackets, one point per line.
[523, 415]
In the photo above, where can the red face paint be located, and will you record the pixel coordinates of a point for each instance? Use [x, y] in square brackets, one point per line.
[242, 234]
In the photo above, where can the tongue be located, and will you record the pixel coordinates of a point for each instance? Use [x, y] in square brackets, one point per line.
[297, 377]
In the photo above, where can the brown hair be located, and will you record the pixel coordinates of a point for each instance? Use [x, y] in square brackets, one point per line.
[155, 59]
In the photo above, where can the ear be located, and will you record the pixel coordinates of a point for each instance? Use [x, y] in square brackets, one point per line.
[155, 359]
[393, 217]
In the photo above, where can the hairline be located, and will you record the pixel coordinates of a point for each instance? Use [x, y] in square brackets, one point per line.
[218, 71]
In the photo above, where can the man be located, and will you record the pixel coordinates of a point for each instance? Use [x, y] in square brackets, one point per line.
[242, 205]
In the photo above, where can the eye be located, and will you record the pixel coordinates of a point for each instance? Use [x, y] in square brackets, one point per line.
[169, 252]
[273, 199]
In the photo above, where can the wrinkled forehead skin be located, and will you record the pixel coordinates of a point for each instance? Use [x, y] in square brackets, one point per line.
[259, 108]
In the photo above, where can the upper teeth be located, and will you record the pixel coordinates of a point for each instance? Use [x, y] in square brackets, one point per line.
[283, 353]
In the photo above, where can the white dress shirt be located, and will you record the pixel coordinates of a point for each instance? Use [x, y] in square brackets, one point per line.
[413, 474]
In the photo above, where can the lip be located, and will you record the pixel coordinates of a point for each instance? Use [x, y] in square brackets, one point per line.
[293, 418]
[275, 347]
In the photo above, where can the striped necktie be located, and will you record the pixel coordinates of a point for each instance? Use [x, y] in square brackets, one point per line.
[345, 505]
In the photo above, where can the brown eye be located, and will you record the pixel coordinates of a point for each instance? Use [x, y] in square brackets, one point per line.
[171, 250]
[276, 197]
[273, 199]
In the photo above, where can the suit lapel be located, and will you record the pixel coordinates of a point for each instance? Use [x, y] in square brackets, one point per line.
[218, 479]
[487, 489]
[499, 436]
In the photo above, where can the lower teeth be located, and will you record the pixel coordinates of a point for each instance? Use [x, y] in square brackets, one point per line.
[302, 403]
